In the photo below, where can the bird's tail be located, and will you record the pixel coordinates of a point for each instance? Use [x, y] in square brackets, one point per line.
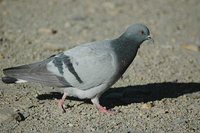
[15, 74]
[35, 72]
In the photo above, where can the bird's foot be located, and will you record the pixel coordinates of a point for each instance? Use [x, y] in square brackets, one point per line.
[106, 111]
[61, 104]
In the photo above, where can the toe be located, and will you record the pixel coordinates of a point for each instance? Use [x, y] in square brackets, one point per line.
[61, 104]
[106, 111]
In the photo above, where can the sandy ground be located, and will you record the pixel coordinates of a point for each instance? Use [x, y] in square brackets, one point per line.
[160, 92]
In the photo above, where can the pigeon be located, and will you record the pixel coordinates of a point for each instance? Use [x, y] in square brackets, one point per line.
[85, 71]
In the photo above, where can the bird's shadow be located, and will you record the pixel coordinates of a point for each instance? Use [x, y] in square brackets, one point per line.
[136, 94]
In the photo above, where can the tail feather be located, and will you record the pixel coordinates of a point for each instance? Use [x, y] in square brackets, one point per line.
[36, 72]
[16, 74]
[15, 71]
[9, 80]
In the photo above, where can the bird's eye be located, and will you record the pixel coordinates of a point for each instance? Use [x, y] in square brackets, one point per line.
[142, 32]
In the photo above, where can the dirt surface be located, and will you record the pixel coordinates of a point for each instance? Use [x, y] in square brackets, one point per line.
[160, 92]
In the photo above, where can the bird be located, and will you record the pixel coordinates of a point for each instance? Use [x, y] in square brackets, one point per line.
[85, 71]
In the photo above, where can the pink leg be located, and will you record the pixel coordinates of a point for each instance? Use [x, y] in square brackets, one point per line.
[61, 102]
[102, 109]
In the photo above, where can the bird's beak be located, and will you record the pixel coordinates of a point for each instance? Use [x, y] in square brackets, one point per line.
[150, 38]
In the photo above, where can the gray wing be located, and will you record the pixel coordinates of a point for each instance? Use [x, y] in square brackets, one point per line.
[84, 67]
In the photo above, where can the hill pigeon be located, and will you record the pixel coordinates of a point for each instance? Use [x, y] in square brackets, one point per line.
[85, 71]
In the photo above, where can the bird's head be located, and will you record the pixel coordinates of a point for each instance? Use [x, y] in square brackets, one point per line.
[137, 33]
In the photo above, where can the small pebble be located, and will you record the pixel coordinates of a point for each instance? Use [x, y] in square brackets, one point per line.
[47, 31]
[21, 116]
[191, 47]
[110, 130]
[18, 117]
[25, 114]
[92, 129]
[1, 56]
[147, 106]
[70, 125]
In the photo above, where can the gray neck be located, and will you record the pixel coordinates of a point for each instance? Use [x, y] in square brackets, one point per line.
[125, 47]
[125, 50]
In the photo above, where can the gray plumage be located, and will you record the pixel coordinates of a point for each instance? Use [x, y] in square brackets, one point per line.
[88, 70]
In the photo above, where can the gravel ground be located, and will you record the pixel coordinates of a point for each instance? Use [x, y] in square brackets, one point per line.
[160, 92]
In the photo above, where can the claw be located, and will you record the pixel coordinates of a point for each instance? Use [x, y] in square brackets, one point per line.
[102, 109]
[106, 111]
[61, 104]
